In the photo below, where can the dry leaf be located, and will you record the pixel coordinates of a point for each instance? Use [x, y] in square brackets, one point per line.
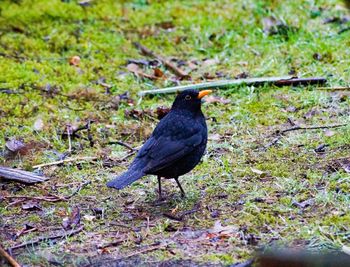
[31, 206]
[14, 145]
[75, 61]
[345, 164]
[242, 75]
[134, 68]
[258, 172]
[210, 62]
[158, 73]
[38, 124]
[161, 112]
[89, 218]
[219, 231]
[214, 137]
[304, 203]
[193, 65]
[166, 25]
[73, 220]
[329, 133]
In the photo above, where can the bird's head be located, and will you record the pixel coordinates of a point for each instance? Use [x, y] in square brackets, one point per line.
[190, 100]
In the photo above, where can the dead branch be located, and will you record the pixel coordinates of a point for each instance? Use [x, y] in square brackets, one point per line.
[336, 88]
[47, 198]
[179, 217]
[21, 176]
[140, 73]
[106, 163]
[64, 161]
[145, 250]
[78, 189]
[52, 198]
[111, 244]
[8, 257]
[121, 144]
[173, 217]
[280, 133]
[179, 72]
[45, 238]
[277, 81]
[25, 231]
[296, 128]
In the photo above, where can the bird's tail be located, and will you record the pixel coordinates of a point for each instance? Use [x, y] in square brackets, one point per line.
[126, 179]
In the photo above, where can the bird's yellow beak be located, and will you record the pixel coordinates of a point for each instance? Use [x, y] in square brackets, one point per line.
[203, 93]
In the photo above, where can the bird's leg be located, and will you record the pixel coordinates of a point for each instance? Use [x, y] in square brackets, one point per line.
[160, 187]
[179, 185]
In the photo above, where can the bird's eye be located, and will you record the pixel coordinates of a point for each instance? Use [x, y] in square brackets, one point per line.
[188, 97]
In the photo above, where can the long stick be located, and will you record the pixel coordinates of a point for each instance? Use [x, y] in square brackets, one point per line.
[179, 72]
[337, 88]
[40, 239]
[311, 128]
[121, 144]
[280, 133]
[145, 250]
[277, 81]
[8, 257]
[64, 161]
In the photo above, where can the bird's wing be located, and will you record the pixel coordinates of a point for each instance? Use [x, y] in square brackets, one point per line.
[164, 148]
[167, 151]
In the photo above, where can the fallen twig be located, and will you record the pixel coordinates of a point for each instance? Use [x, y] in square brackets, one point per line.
[111, 244]
[277, 81]
[105, 163]
[128, 155]
[138, 72]
[274, 141]
[64, 161]
[280, 133]
[78, 189]
[145, 250]
[295, 128]
[25, 230]
[52, 198]
[71, 133]
[122, 144]
[8, 257]
[41, 239]
[337, 88]
[181, 215]
[21, 176]
[179, 72]
[173, 217]
[69, 140]
[47, 198]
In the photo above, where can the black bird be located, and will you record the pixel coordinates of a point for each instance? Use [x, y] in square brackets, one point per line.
[175, 146]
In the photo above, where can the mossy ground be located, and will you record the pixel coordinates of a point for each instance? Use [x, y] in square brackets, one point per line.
[37, 38]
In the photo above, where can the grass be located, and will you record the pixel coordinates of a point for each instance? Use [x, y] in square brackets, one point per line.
[37, 39]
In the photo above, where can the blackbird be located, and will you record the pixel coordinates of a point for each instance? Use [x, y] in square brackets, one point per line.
[175, 146]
